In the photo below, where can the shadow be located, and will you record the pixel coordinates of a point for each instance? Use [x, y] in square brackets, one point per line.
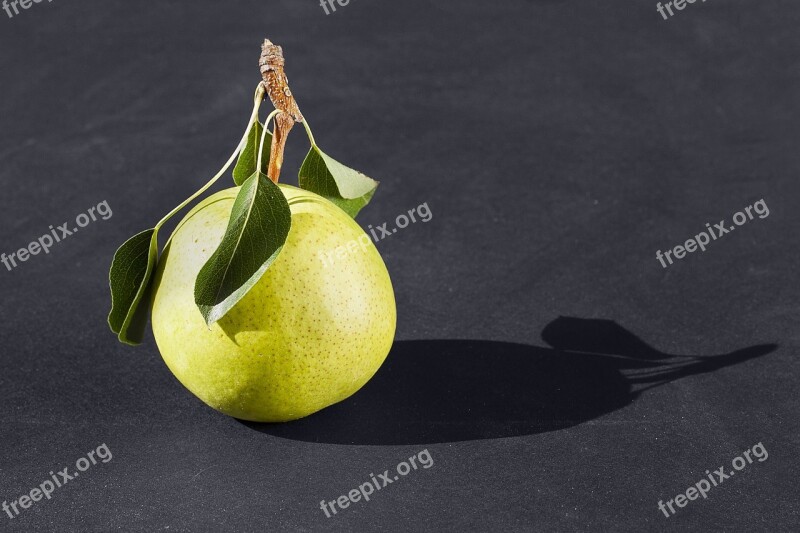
[453, 390]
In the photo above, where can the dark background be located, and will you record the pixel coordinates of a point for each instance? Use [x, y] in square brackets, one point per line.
[558, 145]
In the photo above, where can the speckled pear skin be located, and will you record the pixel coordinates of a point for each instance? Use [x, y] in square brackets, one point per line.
[306, 336]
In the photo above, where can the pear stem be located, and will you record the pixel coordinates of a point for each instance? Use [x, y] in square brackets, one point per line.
[271, 64]
[264, 136]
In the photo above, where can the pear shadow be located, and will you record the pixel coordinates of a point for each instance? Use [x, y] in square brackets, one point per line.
[434, 391]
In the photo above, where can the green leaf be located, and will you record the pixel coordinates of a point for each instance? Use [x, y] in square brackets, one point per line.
[257, 230]
[130, 279]
[247, 163]
[349, 189]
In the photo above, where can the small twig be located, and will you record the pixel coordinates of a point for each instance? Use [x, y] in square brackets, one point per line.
[283, 124]
[277, 87]
[263, 137]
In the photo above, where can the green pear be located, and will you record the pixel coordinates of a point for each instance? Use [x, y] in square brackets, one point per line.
[313, 330]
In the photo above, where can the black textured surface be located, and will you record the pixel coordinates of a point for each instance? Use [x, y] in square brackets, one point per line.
[558, 146]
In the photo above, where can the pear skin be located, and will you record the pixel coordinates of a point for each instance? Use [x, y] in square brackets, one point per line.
[313, 330]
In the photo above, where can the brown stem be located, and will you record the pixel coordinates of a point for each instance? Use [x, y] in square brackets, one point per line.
[283, 123]
[277, 87]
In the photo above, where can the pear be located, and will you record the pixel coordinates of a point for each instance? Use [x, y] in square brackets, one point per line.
[310, 333]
